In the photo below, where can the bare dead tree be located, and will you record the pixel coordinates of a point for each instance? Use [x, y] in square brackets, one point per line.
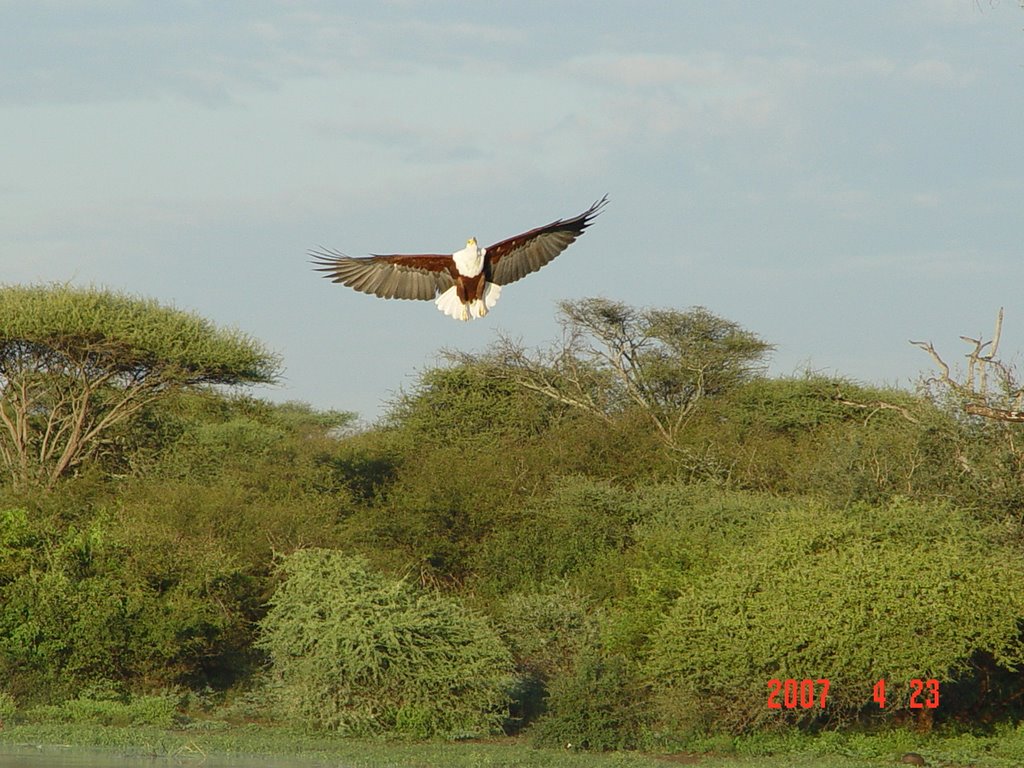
[988, 387]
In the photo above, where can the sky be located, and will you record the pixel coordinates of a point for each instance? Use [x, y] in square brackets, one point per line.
[839, 178]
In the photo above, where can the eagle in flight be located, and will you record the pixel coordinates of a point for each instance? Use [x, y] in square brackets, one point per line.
[465, 284]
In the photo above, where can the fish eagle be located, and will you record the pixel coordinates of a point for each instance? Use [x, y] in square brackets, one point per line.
[465, 284]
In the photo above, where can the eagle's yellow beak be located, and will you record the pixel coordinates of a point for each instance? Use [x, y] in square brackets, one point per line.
[471, 241]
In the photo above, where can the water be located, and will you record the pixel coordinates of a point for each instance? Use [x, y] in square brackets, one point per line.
[76, 757]
[51, 757]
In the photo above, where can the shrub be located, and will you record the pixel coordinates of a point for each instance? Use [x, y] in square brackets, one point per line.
[598, 706]
[106, 608]
[8, 707]
[832, 438]
[565, 535]
[17, 543]
[356, 651]
[546, 629]
[683, 533]
[898, 592]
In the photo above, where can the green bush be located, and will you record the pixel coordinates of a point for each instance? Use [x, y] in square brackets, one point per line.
[599, 705]
[8, 707]
[856, 595]
[831, 438]
[106, 606]
[356, 651]
[64, 624]
[17, 543]
[567, 534]
[546, 629]
[683, 534]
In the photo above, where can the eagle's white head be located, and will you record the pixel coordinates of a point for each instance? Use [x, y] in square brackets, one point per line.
[470, 260]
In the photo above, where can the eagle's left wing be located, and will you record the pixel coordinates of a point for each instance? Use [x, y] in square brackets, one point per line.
[518, 256]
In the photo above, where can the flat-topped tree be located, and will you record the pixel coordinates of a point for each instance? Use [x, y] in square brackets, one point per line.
[612, 357]
[76, 362]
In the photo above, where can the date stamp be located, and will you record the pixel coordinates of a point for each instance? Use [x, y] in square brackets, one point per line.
[810, 693]
[924, 694]
[790, 693]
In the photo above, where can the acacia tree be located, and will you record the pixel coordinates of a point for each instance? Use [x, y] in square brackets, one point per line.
[77, 362]
[613, 357]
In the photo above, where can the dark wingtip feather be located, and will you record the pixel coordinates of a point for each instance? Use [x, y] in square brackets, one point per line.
[594, 210]
[586, 218]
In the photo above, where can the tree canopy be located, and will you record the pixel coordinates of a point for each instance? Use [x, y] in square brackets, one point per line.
[613, 357]
[76, 362]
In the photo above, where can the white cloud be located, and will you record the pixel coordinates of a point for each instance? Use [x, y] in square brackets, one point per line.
[644, 70]
[936, 72]
[869, 66]
[709, 95]
[926, 71]
[928, 199]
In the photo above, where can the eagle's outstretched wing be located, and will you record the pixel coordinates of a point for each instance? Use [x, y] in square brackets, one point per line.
[518, 256]
[397, 276]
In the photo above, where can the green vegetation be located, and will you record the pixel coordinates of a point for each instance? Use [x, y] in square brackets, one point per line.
[354, 651]
[900, 591]
[76, 364]
[196, 746]
[613, 544]
[197, 742]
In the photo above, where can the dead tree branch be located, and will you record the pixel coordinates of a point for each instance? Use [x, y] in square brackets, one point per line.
[989, 388]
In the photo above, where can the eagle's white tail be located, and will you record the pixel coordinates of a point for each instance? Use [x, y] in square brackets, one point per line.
[449, 303]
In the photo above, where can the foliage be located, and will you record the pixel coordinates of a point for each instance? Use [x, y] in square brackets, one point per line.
[613, 357]
[546, 630]
[8, 706]
[250, 476]
[637, 590]
[459, 458]
[17, 543]
[359, 652]
[76, 363]
[568, 534]
[684, 533]
[120, 330]
[173, 564]
[103, 609]
[801, 404]
[455, 425]
[831, 437]
[897, 592]
[600, 706]
[460, 405]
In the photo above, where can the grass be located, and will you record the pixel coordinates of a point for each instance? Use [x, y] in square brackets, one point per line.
[196, 742]
[267, 741]
[155, 727]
